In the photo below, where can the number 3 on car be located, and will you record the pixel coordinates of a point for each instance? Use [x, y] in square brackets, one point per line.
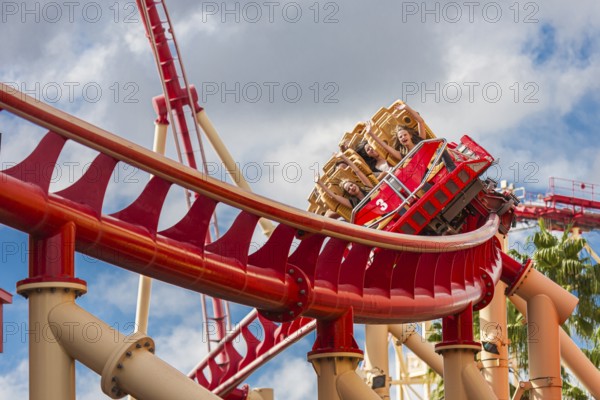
[382, 204]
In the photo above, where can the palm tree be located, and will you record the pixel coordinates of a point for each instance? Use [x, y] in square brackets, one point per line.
[560, 259]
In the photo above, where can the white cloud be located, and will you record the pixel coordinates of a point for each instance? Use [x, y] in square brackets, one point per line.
[183, 348]
[88, 384]
[15, 384]
[172, 301]
[118, 291]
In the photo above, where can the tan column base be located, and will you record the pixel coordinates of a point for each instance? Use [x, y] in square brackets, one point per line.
[337, 378]
[462, 379]
[51, 368]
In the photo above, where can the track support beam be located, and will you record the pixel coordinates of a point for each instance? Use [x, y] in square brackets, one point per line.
[51, 282]
[462, 379]
[334, 357]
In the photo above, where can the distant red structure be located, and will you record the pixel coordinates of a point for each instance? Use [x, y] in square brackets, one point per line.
[567, 202]
[5, 298]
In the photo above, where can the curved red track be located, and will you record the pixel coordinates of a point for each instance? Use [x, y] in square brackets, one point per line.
[410, 278]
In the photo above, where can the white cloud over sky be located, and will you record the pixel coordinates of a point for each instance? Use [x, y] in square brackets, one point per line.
[532, 70]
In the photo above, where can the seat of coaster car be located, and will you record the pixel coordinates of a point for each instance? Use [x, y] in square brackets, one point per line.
[432, 190]
[422, 195]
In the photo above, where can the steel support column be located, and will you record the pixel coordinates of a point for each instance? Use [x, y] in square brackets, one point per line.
[51, 282]
[334, 357]
[377, 359]
[462, 380]
[543, 349]
[494, 335]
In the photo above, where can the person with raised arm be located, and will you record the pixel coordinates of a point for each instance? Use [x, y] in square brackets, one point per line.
[344, 163]
[353, 193]
[407, 140]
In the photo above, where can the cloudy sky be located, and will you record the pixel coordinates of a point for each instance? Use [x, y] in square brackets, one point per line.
[282, 81]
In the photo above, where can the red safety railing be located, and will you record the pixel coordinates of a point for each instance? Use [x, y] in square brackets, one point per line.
[575, 193]
[567, 203]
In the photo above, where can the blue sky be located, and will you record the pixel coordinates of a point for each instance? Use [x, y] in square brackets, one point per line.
[281, 89]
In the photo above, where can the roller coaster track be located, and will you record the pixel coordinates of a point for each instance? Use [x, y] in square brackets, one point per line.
[332, 270]
[263, 339]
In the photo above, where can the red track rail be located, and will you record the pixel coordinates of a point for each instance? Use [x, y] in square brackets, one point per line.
[263, 340]
[171, 106]
[411, 278]
[438, 276]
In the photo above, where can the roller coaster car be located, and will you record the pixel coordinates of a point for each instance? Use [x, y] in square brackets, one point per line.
[436, 189]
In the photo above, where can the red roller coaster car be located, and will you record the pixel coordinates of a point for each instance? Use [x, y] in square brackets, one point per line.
[436, 189]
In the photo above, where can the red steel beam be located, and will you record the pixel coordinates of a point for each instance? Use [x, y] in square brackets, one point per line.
[560, 217]
[574, 201]
[27, 208]
[5, 298]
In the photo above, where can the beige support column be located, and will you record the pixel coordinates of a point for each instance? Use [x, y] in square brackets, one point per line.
[145, 284]
[571, 356]
[228, 161]
[543, 345]
[543, 349]
[533, 283]
[407, 334]
[126, 364]
[351, 387]
[335, 356]
[400, 368]
[261, 394]
[493, 330]
[476, 386]
[454, 361]
[377, 359]
[142, 310]
[462, 379]
[160, 138]
[548, 305]
[337, 378]
[576, 362]
[51, 368]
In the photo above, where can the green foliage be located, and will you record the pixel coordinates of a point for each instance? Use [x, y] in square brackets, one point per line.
[569, 391]
[517, 335]
[434, 335]
[560, 259]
